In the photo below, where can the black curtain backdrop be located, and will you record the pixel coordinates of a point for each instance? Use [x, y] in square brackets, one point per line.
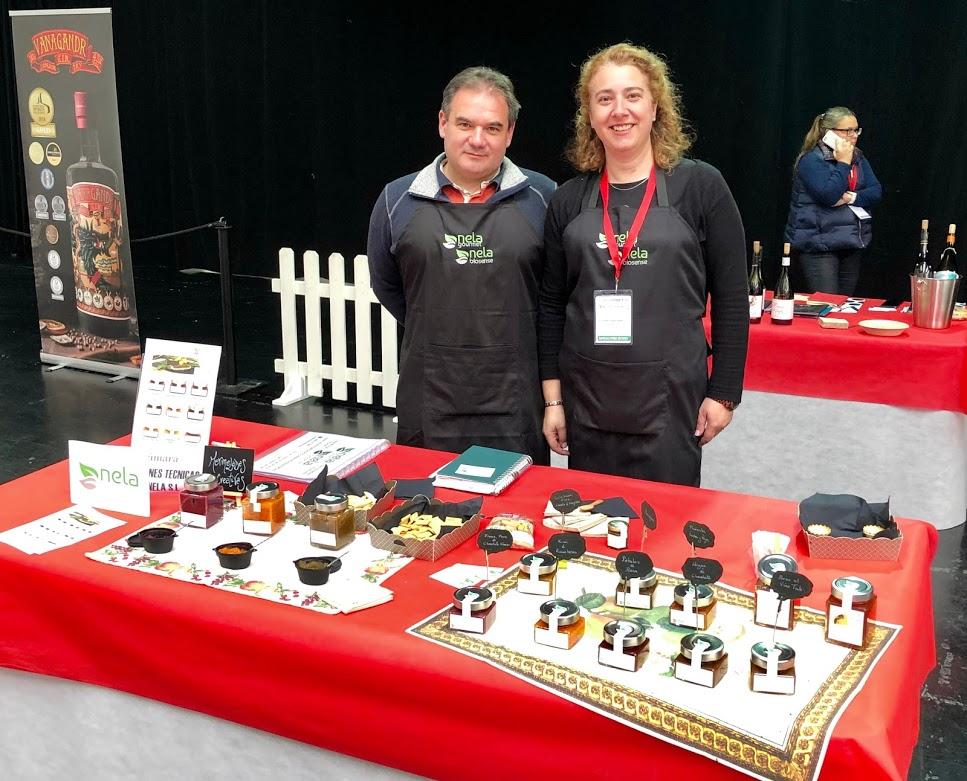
[288, 118]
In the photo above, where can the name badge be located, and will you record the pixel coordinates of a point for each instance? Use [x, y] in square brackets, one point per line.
[860, 212]
[612, 317]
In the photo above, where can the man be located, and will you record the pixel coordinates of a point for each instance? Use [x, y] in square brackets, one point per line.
[455, 254]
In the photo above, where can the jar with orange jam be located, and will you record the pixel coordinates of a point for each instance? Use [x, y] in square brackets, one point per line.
[263, 508]
[560, 625]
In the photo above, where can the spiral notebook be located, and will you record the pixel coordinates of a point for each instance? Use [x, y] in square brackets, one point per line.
[482, 470]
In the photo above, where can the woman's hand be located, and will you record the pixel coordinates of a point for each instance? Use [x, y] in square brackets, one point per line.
[712, 418]
[843, 151]
[555, 429]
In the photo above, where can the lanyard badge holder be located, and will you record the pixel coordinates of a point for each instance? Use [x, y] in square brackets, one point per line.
[613, 310]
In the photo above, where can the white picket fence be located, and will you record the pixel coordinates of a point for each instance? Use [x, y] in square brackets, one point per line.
[304, 378]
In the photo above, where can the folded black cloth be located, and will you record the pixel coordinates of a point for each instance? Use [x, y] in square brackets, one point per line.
[369, 478]
[407, 489]
[846, 515]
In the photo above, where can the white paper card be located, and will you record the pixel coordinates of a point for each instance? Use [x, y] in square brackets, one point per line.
[110, 477]
[860, 212]
[475, 471]
[58, 530]
[612, 317]
[464, 575]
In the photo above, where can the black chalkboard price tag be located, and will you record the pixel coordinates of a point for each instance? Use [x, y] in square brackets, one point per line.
[495, 540]
[232, 466]
[567, 545]
[648, 516]
[699, 535]
[566, 500]
[791, 585]
[702, 572]
[633, 564]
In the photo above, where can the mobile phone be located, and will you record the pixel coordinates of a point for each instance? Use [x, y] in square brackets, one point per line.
[830, 139]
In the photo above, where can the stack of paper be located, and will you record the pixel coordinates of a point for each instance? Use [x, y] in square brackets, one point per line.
[304, 457]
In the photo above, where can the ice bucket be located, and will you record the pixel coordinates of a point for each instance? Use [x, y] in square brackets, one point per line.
[933, 301]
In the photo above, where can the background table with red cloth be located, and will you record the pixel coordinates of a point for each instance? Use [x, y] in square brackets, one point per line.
[842, 411]
[359, 685]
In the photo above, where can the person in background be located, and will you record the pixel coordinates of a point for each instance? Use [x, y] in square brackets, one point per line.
[635, 246]
[834, 190]
[455, 255]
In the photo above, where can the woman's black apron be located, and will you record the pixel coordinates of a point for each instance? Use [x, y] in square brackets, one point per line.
[631, 409]
[468, 369]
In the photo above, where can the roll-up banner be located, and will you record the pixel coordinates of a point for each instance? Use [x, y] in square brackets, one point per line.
[67, 98]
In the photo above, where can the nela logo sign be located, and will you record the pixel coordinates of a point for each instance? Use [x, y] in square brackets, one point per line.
[56, 49]
[469, 247]
[91, 476]
[638, 256]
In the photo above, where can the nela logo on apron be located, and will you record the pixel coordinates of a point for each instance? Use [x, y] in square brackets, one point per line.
[638, 256]
[470, 248]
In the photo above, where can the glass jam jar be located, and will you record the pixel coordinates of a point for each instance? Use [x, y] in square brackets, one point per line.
[332, 522]
[624, 645]
[701, 659]
[537, 573]
[618, 533]
[849, 609]
[781, 680]
[263, 508]
[637, 592]
[474, 610]
[202, 501]
[768, 611]
[694, 607]
[561, 624]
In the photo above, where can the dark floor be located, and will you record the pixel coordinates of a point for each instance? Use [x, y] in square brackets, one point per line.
[41, 410]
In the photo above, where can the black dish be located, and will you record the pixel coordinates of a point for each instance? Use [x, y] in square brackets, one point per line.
[157, 539]
[315, 570]
[235, 560]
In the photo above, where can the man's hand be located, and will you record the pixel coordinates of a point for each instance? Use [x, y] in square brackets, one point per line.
[555, 430]
[712, 418]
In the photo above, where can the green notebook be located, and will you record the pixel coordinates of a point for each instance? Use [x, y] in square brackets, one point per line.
[482, 470]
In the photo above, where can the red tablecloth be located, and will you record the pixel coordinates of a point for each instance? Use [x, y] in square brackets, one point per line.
[359, 685]
[922, 368]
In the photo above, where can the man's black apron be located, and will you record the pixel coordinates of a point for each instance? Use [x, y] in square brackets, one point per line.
[631, 409]
[468, 369]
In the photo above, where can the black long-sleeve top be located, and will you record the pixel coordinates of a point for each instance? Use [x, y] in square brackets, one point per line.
[700, 195]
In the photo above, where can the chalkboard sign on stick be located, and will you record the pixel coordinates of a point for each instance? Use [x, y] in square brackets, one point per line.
[231, 465]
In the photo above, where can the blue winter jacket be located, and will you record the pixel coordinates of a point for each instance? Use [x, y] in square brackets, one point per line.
[815, 224]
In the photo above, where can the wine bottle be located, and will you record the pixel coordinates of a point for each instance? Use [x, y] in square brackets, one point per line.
[94, 204]
[782, 299]
[948, 258]
[755, 284]
[922, 268]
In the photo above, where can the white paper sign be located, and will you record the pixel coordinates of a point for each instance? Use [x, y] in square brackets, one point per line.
[58, 530]
[173, 413]
[110, 477]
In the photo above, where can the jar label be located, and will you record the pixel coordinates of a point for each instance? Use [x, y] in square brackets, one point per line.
[322, 538]
[633, 599]
[256, 527]
[778, 684]
[620, 539]
[553, 639]
[845, 626]
[194, 519]
[685, 671]
[616, 658]
[466, 623]
[767, 607]
[691, 620]
[530, 586]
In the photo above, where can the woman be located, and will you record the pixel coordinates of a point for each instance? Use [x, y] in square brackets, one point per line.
[634, 245]
[833, 190]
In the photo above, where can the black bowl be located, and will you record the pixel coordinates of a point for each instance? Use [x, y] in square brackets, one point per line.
[235, 560]
[315, 570]
[157, 539]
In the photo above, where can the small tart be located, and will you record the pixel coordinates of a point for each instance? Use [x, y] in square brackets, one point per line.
[819, 529]
[872, 529]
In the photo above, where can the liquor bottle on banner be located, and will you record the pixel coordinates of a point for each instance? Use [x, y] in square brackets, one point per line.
[755, 284]
[948, 258]
[94, 203]
[783, 300]
[922, 268]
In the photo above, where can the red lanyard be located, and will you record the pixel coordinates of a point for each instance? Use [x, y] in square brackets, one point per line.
[853, 176]
[618, 257]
